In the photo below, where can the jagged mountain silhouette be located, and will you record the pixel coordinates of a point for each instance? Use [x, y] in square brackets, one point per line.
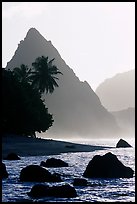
[76, 108]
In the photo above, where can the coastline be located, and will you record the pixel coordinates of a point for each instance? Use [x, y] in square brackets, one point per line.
[27, 146]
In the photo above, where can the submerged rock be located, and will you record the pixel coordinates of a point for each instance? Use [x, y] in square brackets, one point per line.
[52, 162]
[64, 191]
[80, 182]
[38, 173]
[4, 171]
[107, 166]
[12, 156]
[122, 143]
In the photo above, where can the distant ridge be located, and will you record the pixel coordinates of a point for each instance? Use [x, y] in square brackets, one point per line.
[76, 108]
[118, 93]
[126, 120]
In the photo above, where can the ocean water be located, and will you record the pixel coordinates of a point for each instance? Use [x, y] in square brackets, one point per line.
[105, 190]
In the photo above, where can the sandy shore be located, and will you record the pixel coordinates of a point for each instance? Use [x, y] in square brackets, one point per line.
[39, 147]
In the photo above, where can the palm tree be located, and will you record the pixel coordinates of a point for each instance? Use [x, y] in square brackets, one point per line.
[22, 73]
[43, 77]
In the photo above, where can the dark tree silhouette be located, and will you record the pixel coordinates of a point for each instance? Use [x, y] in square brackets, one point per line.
[23, 111]
[22, 73]
[43, 75]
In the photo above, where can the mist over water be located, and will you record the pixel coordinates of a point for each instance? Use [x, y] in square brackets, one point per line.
[91, 141]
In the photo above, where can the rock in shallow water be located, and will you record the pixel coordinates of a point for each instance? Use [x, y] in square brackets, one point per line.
[64, 191]
[12, 156]
[4, 171]
[38, 173]
[107, 166]
[80, 182]
[52, 162]
[122, 143]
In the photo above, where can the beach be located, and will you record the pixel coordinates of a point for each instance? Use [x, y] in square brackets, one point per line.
[27, 146]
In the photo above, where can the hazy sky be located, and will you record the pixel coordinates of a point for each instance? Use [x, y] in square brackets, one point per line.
[96, 39]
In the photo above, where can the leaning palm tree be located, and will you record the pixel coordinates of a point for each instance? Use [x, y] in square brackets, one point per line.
[43, 75]
[22, 73]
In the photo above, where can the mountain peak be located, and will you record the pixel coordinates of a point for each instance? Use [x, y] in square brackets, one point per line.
[32, 31]
[34, 34]
[74, 105]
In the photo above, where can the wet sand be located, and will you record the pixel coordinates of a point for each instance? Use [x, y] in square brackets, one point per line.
[27, 146]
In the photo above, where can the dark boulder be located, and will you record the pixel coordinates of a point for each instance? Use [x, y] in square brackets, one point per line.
[64, 191]
[4, 171]
[39, 190]
[80, 182]
[52, 162]
[38, 174]
[122, 143]
[107, 166]
[12, 156]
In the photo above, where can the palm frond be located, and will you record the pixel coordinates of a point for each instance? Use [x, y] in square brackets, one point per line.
[43, 76]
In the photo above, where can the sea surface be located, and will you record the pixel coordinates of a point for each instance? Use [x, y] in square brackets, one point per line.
[104, 190]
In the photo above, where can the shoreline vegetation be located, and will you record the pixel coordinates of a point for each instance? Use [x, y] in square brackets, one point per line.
[28, 146]
[24, 111]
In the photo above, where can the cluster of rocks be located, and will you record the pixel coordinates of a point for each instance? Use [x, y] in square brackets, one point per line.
[106, 166]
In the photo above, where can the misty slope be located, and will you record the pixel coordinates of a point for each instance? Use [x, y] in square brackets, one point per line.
[75, 107]
[126, 120]
[118, 93]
